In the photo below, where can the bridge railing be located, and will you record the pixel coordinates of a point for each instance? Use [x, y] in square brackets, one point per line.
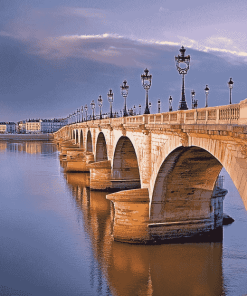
[228, 114]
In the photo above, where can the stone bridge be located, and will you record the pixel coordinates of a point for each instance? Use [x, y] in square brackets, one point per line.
[165, 167]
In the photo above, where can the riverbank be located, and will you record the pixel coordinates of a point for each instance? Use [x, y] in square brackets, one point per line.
[26, 137]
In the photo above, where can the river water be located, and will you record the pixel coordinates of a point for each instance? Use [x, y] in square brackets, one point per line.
[55, 239]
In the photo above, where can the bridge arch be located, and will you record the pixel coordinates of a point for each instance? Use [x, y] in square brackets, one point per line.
[76, 136]
[184, 185]
[89, 146]
[101, 148]
[125, 164]
[81, 138]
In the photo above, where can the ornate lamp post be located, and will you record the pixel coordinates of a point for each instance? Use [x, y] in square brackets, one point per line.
[110, 100]
[93, 107]
[78, 115]
[170, 103]
[81, 113]
[124, 92]
[193, 93]
[140, 109]
[85, 108]
[100, 103]
[194, 102]
[230, 84]
[182, 63]
[206, 93]
[146, 83]
[159, 106]
[134, 110]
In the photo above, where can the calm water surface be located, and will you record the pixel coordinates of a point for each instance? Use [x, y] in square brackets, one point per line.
[55, 239]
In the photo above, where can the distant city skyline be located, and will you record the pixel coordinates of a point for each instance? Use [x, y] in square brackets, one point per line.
[59, 55]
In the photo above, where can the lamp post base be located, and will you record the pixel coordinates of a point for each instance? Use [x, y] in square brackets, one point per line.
[182, 105]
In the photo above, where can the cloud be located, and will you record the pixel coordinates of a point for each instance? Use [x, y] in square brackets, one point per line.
[6, 34]
[107, 48]
[123, 51]
[163, 10]
[55, 37]
[82, 12]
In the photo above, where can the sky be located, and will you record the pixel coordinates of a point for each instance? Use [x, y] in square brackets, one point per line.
[56, 56]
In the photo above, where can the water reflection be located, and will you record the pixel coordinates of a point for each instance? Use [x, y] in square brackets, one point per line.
[46, 148]
[174, 269]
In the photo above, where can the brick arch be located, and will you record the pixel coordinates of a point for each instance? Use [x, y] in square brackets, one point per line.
[184, 185]
[101, 148]
[89, 144]
[125, 164]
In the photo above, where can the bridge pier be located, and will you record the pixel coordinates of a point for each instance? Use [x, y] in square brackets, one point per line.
[132, 223]
[131, 215]
[100, 175]
[77, 153]
[80, 164]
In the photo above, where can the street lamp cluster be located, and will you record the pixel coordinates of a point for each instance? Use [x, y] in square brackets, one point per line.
[194, 102]
[182, 64]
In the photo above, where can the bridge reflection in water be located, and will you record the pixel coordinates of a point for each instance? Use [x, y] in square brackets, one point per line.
[168, 269]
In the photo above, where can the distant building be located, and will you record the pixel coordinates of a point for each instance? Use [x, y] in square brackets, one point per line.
[40, 125]
[7, 127]
[21, 127]
[11, 127]
[3, 127]
[33, 126]
[52, 125]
